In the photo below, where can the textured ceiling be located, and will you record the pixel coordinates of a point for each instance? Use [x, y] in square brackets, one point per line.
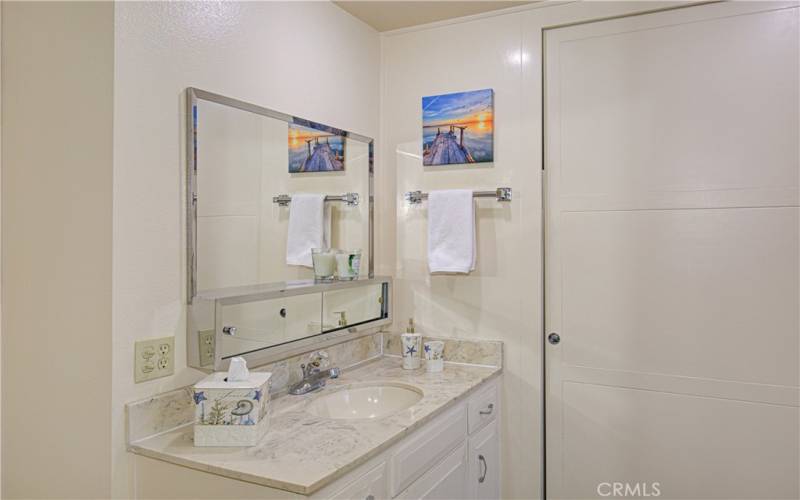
[389, 15]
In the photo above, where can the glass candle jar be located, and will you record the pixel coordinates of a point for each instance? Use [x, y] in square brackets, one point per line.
[324, 260]
[348, 264]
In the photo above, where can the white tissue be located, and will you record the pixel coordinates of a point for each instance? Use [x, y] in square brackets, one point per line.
[237, 371]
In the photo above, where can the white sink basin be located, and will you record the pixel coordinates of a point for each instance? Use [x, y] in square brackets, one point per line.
[365, 402]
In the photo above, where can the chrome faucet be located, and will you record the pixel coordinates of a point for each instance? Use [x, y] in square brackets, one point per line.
[314, 374]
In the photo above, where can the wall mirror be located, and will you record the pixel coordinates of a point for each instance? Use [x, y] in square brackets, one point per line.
[244, 164]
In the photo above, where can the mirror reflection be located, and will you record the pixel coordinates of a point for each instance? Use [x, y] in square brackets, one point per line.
[249, 167]
[255, 325]
[351, 306]
[250, 326]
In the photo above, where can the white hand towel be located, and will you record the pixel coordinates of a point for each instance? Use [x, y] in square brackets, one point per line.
[451, 231]
[309, 227]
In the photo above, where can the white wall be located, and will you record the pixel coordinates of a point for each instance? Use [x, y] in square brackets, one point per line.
[502, 299]
[257, 52]
[229, 143]
[57, 93]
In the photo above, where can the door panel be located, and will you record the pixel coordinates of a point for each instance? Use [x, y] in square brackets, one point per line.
[693, 447]
[680, 109]
[682, 292]
[671, 267]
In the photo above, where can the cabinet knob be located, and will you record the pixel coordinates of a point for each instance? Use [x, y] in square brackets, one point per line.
[485, 469]
[370, 497]
[488, 411]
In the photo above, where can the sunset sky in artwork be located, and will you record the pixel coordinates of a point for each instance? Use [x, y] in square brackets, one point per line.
[299, 135]
[464, 108]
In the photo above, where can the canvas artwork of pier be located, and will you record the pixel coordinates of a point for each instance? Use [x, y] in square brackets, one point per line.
[458, 128]
[312, 150]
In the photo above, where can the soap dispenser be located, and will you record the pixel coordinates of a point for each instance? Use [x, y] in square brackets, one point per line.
[411, 345]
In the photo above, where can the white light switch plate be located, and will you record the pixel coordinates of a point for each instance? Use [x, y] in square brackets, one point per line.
[153, 358]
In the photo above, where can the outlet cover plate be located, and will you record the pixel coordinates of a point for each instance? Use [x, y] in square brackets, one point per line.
[206, 347]
[153, 358]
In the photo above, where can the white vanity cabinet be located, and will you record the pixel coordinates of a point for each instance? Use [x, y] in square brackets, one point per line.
[447, 479]
[484, 462]
[456, 455]
[370, 486]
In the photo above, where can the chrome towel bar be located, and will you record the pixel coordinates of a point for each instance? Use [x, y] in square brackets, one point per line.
[501, 194]
[350, 199]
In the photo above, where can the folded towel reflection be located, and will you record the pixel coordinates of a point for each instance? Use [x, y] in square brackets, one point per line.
[309, 227]
[451, 231]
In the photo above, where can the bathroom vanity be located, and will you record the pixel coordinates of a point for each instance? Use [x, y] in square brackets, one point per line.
[444, 444]
[376, 431]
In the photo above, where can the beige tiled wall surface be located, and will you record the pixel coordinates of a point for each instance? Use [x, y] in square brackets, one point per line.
[472, 351]
[175, 408]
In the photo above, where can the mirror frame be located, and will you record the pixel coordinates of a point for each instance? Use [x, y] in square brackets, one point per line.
[195, 94]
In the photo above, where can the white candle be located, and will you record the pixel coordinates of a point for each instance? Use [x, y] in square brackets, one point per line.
[324, 265]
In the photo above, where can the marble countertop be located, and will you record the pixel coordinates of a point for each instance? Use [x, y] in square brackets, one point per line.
[302, 453]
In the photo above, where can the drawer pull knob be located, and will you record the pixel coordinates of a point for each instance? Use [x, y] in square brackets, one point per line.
[488, 411]
[485, 469]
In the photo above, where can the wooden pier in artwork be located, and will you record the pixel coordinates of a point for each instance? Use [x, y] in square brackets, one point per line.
[321, 157]
[446, 149]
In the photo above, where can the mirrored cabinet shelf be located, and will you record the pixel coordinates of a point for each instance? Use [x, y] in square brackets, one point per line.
[266, 322]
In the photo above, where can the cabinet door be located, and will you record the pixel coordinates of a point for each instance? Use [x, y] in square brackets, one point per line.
[484, 463]
[371, 486]
[419, 454]
[445, 481]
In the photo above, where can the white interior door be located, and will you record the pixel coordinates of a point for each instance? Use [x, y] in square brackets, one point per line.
[672, 254]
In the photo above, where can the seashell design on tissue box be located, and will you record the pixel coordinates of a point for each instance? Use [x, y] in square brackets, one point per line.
[231, 409]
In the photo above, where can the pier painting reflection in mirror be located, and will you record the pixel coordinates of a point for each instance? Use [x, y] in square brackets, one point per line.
[315, 149]
[458, 128]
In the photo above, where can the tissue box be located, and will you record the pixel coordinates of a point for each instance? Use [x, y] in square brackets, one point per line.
[231, 413]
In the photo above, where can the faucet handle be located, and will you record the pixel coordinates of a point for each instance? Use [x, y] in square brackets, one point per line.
[318, 360]
[309, 369]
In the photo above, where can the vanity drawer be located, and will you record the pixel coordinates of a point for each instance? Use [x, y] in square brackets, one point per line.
[483, 407]
[425, 448]
[373, 485]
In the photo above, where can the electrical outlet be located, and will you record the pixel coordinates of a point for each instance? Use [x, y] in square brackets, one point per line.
[206, 348]
[153, 358]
